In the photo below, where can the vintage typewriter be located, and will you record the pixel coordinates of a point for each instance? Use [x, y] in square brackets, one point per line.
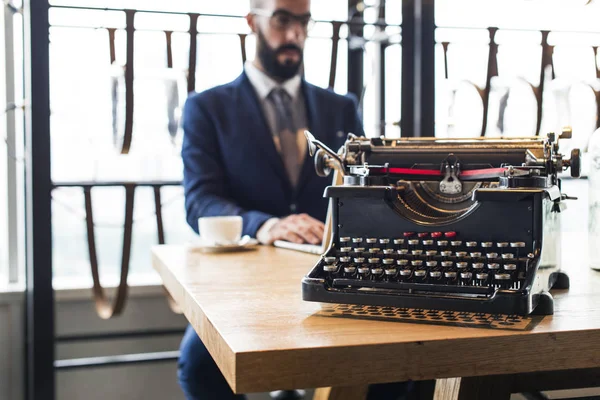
[455, 224]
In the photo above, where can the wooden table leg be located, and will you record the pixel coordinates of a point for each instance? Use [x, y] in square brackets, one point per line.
[480, 387]
[342, 393]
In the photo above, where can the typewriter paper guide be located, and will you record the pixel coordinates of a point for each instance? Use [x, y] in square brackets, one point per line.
[461, 224]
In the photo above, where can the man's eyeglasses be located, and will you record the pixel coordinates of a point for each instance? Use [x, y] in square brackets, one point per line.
[284, 20]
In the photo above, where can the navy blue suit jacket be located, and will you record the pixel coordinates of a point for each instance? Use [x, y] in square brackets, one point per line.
[231, 165]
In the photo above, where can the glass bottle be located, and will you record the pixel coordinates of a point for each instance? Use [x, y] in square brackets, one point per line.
[594, 200]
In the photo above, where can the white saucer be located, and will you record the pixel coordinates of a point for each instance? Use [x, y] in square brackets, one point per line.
[245, 243]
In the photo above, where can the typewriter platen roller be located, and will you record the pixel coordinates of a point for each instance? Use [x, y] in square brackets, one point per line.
[454, 224]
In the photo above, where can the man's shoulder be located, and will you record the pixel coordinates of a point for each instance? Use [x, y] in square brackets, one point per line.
[330, 96]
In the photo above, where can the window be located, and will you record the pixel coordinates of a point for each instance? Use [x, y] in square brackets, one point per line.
[82, 117]
[568, 97]
[11, 146]
[3, 158]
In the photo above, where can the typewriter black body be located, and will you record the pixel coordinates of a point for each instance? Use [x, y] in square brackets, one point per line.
[462, 225]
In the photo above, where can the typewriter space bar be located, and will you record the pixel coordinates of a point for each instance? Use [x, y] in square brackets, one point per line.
[412, 287]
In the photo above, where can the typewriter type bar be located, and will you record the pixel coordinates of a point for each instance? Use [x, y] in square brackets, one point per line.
[467, 232]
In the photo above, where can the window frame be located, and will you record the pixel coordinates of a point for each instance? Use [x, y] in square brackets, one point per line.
[10, 267]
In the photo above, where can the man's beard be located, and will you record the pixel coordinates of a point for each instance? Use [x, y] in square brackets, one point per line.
[268, 59]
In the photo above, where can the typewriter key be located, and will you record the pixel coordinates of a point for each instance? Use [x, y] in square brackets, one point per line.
[350, 270]
[435, 274]
[450, 234]
[517, 244]
[492, 255]
[405, 274]
[476, 255]
[510, 267]
[461, 254]
[359, 260]
[420, 273]
[377, 271]
[442, 243]
[502, 244]
[431, 263]
[402, 263]
[428, 242]
[482, 276]
[462, 265]
[478, 265]
[436, 235]
[362, 270]
[466, 275]
[329, 260]
[388, 261]
[456, 243]
[416, 252]
[390, 272]
[416, 263]
[403, 251]
[357, 240]
[486, 244]
[344, 239]
[450, 275]
[422, 234]
[413, 242]
[388, 251]
[471, 244]
[431, 253]
[398, 241]
[374, 260]
[507, 256]
[345, 249]
[384, 241]
[448, 264]
[374, 250]
[504, 280]
[493, 266]
[345, 259]
[329, 268]
[371, 240]
[446, 253]
[408, 234]
[359, 249]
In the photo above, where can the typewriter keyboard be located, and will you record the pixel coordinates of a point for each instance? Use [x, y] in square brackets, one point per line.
[437, 260]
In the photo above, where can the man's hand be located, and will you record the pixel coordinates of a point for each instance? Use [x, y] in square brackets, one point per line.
[297, 228]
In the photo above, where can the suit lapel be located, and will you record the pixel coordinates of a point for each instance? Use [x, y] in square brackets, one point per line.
[256, 123]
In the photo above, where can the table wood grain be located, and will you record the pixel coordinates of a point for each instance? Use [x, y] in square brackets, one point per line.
[248, 309]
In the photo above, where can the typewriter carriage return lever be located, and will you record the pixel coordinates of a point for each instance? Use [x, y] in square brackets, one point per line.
[448, 224]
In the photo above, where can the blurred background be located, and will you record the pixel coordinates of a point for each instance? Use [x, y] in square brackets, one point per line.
[497, 68]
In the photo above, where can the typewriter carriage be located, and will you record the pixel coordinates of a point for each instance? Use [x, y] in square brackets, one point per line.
[506, 187]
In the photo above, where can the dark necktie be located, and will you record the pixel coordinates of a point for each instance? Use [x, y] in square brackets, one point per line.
[286, 132]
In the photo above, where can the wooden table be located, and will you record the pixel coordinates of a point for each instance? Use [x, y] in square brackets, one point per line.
[248, 310]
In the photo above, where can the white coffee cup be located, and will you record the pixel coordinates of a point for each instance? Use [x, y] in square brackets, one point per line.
[220, 230]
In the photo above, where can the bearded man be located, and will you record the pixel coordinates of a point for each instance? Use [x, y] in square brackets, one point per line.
[245, 154]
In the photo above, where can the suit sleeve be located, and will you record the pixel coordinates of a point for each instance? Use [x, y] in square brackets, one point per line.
[204, 176]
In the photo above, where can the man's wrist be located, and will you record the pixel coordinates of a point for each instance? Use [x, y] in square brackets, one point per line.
[262, 235]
